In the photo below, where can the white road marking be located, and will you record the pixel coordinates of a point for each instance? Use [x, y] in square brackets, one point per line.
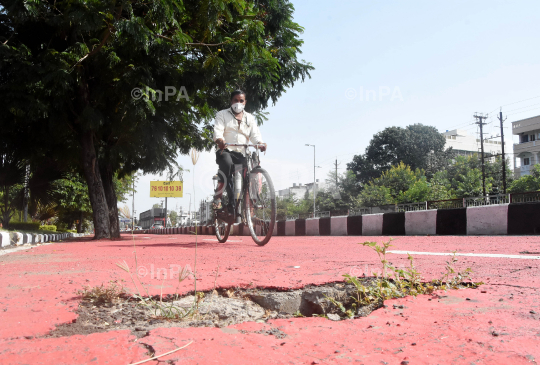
[207, 239]
[500, 255]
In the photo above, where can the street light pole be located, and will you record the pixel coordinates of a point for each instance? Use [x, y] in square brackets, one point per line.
[314, 168]
[189, 209]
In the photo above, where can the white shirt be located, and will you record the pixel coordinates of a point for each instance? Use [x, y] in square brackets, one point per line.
[226, 126]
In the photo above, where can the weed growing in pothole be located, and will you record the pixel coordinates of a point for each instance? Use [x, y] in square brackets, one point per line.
[398, 282]
[103, 294]
[160, 308]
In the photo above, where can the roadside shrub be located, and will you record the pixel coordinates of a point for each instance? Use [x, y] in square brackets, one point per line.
[24, 226]
[48, 228]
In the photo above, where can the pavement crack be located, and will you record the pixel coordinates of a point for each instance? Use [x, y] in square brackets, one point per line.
[513, 286]
[151, 351]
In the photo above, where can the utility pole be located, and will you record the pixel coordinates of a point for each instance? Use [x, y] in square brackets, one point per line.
[336, 165]
[480, 118]
[133, 207]
[165, 225]
[501, 120]
[314, 168]
[25, 197]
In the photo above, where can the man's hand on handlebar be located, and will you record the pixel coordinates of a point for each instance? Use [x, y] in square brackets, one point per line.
[263, 147]
[221, 143]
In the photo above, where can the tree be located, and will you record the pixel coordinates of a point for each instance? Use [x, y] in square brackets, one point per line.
[528, 182]
[375, 195]
[470, 184]
[417, 145]
[174, 217]
[94, 76]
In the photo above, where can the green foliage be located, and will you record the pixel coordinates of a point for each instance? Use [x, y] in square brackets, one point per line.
[173, 216]
[374, 195]
[417, 146]
[526, 183]
[470, 184]
[48, 228]
[399, 282]
[341, 192]
[69, 69]
[25, 226]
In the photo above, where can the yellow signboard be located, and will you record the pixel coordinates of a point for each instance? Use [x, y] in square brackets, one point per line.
[166, 189]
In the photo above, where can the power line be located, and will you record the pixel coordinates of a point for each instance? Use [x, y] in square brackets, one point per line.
[516, 102]
[524, 111]
[523, 107]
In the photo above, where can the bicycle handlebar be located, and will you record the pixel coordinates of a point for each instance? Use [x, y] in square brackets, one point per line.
[244, 145]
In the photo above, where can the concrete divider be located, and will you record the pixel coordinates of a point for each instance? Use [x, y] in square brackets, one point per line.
[393, 224]
[524, 218]
[338, 226]
[324, 226]
[488, 220]
[372, 224]
[290, 228]
[274, 232]
[452, 221]
[300, 227]
[312, 226]
[354, 225]
[4, 239]
[27, 238]
[421, 223]
[245, 230]
[237, 229]
[18, 238]
[280, 228]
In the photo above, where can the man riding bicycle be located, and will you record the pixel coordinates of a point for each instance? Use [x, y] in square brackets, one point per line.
[236, 126]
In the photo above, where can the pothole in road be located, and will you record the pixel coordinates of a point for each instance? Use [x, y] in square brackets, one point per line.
[218, 308]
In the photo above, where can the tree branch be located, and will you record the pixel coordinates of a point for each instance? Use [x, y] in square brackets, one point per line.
[193, 44]
[95, 50]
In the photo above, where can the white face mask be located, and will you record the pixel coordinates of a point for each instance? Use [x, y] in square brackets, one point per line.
[238, 107]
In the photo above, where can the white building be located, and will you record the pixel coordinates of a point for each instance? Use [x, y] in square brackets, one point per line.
[527, 151]
[466, 145]
[298, 191]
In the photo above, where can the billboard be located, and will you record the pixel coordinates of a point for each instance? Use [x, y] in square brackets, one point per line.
[166, 189]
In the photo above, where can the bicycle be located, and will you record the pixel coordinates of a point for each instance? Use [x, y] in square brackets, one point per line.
[256, 197]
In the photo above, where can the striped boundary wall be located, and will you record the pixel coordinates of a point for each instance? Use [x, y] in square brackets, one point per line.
[9, 238]
[511, 219]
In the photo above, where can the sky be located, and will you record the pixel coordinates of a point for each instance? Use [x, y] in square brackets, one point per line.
[381, 64]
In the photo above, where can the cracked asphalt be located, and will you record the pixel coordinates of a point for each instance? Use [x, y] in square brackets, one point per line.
[498, 323]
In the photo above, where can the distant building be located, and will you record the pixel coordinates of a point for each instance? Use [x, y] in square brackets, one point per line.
[298, 191]
[466, 145]
[527, 151]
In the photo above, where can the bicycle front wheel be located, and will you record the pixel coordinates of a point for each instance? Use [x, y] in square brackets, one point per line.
[260, 206]
[222, 229]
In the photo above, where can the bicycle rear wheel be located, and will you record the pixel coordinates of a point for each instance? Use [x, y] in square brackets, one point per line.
[260, 206]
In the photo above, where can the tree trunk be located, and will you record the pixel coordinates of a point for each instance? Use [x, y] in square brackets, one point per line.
[79, 225]
[112, 200]
[6, 212]
[95, 187]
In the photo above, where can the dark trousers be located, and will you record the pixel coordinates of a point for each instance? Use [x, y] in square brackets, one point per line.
[227, 160]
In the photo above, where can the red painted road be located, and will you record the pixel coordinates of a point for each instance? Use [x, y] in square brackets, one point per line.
[38, 285]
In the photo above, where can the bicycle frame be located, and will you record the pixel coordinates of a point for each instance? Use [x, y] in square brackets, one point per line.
[246, 170]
